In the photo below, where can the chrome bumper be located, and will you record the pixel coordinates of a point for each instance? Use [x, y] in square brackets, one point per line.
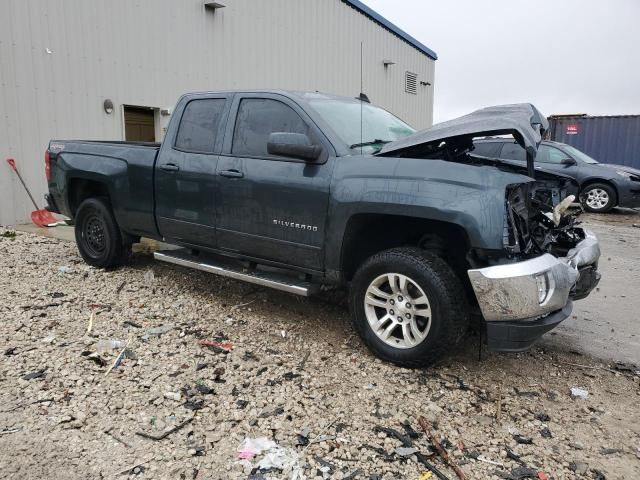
[534, 288]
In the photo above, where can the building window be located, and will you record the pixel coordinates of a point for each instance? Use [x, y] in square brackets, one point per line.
[411, 83]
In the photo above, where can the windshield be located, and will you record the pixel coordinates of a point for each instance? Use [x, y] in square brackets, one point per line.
[378, 125]
[574, 152]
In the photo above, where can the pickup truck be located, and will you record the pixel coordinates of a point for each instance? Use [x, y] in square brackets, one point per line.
[297, 190]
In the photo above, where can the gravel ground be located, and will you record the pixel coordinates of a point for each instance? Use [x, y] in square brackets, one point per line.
[296, 375]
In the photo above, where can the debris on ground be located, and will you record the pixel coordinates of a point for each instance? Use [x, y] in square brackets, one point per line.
[315, 377]
[157, 331]
[149, 277]
[164, 435]
[94, 357]
[35, 374]
[440, 449]
[522, 440]
[578, 392]
[104, 346]
[273, 457]
[217, 345]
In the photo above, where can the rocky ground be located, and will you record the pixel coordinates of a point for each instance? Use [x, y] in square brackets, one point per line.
[276, 366]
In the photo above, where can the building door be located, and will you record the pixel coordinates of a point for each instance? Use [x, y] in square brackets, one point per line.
[139, 124]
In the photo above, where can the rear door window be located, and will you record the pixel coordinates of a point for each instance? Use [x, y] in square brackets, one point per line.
[199, 125]
[513, 151]
[257, 119]
[487, 149]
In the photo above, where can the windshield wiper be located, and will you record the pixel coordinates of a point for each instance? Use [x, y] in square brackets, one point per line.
[369, 143]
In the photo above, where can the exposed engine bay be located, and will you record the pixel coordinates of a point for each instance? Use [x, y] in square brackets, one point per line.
[537, 222]
[536, 218]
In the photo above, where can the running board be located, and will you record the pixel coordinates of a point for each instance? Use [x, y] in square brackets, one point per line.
[226, 268]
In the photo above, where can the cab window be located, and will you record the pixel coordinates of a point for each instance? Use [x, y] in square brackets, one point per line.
[257, 119]
[199, 125]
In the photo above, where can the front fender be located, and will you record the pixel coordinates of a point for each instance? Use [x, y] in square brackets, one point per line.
[469, 196]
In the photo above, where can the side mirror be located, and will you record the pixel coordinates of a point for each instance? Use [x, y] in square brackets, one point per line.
[295, 145]
[568, 162]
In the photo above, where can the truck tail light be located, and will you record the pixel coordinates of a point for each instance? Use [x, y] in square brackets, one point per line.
[47, 165]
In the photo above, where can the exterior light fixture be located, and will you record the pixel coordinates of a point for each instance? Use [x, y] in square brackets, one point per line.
[213, 6]
[108, 106]
[386, 63]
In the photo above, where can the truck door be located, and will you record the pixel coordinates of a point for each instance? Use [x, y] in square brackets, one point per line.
[185, 174]
[271, 207]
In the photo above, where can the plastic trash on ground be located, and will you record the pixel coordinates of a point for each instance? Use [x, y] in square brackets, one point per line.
[149, 277]
[250, 447]
[105, 345]
[275, 457]
[577, 392]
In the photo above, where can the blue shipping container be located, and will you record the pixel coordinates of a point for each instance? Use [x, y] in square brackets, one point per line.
[610, 139]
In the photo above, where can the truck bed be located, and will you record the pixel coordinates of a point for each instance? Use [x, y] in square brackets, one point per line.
[126, 168]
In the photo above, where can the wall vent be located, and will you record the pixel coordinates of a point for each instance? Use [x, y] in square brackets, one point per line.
[411, 83]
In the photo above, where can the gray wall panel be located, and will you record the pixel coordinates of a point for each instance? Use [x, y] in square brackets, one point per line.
[149, 52]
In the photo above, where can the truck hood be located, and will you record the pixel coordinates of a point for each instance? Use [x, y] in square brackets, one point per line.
[522, 120]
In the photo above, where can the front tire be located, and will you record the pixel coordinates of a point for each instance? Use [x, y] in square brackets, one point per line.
[598, 198]
[408, 307]
[98, 236]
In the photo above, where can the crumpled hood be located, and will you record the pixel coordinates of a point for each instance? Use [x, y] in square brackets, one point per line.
[522, 120]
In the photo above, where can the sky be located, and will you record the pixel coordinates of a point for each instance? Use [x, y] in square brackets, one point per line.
[564, 56]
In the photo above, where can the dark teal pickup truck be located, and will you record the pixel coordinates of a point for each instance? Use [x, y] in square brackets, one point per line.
[297, 190]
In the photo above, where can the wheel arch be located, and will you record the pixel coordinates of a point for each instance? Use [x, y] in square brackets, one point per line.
[79, 189]
[367, 234]
[595, 180]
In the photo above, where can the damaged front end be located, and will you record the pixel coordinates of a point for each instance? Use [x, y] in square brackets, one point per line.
[547, 260]
[550, 261]
[536, 221]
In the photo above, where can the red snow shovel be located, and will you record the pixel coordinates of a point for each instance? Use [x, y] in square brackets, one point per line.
[40, 216]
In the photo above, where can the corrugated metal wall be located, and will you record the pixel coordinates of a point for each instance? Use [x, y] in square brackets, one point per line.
[60, 60]
[614, 139]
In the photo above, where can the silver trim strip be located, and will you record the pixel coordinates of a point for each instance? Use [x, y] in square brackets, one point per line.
[258, 279]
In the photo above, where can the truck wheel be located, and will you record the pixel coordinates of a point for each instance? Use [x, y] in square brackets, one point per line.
[97, 235]
[598, 198]
[408, 307]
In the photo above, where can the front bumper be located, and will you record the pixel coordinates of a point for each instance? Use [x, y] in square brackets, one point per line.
[534, 295]
[628, 194]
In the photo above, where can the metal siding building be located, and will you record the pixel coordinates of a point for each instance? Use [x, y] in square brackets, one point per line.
[59, 61]
[608, 139]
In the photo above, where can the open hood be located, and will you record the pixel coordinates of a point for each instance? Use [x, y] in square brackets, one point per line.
[522, 120]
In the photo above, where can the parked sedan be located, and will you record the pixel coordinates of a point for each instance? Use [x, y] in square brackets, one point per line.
[602, 186]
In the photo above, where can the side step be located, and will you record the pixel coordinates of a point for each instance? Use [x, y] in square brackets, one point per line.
[228, 268]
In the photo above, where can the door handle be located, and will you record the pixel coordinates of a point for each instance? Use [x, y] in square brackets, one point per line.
[170, 167]
[231, 174]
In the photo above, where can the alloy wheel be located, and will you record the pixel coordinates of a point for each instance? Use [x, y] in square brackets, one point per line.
[597, 198]
[398, 310]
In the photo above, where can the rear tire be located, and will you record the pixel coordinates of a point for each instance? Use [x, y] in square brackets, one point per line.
[418, 293]
[598, 198]
[98, 236]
